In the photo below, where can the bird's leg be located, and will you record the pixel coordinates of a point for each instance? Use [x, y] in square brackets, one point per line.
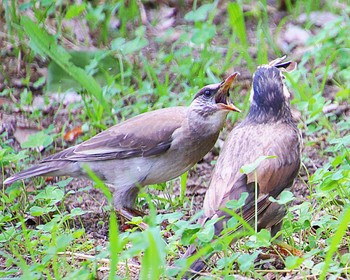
[272, 218]
[282, 247]
[123, 201]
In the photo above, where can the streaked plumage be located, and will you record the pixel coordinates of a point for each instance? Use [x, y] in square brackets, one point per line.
[151, 148]
[268, 130]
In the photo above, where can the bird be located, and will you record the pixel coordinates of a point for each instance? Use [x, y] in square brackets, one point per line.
[269, 129]
[150, 148]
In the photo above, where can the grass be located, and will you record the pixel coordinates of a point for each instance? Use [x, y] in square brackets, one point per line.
[140, 68]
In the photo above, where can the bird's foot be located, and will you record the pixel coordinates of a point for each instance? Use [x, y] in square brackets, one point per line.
[275, 255]
[129, 214]
[287, 250]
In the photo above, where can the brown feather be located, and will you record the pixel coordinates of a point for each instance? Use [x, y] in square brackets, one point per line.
[274, 175]
[268, 130]
[130, 138]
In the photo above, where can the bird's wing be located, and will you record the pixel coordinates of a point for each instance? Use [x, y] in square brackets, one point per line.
[244, 145]
[145, 135]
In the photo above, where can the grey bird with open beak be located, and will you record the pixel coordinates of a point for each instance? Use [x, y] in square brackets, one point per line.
[268, 130]
[150, 148]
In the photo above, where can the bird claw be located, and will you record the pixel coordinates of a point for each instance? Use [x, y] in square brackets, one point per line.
[129, 214]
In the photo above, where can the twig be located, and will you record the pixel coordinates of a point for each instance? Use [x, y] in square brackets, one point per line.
[81, 256]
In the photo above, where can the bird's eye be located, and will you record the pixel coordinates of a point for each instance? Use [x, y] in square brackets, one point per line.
[207, 93]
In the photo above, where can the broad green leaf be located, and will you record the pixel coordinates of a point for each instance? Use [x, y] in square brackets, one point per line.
[200, 14]
[171, 217]
[232, 223]
[293, 262]
[246, 261]
[128, 47]
[99, 64]
[46, 45]
[203, 35]
[37, 140]
[77, 212]
[226, 261]
[63, 241]
[78, 233]
[285, 197]
[37, 211]
[206, 234]
[260, 239]
[236, 204]
[249, 168]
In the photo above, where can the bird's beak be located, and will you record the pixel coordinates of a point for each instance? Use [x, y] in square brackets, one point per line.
[222, 96]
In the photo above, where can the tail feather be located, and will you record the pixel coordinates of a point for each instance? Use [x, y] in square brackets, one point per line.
[36, 170]
[197, 266]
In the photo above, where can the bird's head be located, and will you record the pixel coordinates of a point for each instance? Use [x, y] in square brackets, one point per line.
[215, 98]
[269, 95]
[210, 107]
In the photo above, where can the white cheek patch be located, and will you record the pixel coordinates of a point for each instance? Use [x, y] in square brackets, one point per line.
[251, 97]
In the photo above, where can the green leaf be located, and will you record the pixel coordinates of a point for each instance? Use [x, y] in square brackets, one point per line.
[206, 234]
[77, 212]
[249, 168]
[40, 139]
[226, 261]
[37, 211]
[188, 235]
[153, 260]
[99, 64]
[171, 217]
[203, 35]
[236, 204]
[52, 194]
[236, 19]
[200, 14]
[344, 222]
[7, 234]
[246, 261]
[75, 10]
[46, 45]
[135, 221]
[130, 46]
[284, 198]
[293, 262]
[78, 233]
[260, 239]
[232, 223]
[63, 241]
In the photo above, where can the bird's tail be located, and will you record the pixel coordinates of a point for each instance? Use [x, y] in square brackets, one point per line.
[36, 170]
[197, 266]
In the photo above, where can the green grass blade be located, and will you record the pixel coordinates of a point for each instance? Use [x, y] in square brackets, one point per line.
[236, 19]
[46, 45]
[336, 240]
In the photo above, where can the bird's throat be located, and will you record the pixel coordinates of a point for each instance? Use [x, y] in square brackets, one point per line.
[265, 114]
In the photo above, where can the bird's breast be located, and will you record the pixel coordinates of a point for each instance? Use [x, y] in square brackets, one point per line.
[181, 156]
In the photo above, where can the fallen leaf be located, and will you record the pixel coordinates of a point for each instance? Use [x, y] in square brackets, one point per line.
[21, 134]
[73, 134]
